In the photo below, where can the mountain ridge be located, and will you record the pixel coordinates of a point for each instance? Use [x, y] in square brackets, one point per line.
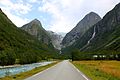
[88, 21]
[17, 44]
[109, 27]
[35, 28]
[102, 36]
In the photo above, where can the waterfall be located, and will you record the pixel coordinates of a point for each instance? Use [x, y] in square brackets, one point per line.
[93, 35]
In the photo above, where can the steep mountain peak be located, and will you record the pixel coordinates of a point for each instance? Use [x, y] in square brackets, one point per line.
[88, 21]
[93, 13]
[35, 21]
[34, 24]
[35, 28]
[104, 35]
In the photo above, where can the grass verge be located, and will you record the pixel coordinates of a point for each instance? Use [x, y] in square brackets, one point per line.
[27, 74]
[99, 70]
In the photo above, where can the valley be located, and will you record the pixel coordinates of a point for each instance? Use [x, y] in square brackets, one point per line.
[89, 51]
[98, 39]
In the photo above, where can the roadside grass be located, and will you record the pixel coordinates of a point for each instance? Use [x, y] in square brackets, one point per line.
[99, 70]
[27, 74]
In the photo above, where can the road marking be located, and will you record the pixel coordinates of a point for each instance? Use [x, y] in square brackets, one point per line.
[43, 71]
[79, 71]
[72, 66]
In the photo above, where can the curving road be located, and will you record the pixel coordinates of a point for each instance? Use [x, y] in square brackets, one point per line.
[62, 71]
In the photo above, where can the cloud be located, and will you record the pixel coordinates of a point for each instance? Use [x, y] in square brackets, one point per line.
[61, 16]
[18, 21]
[56, 15]
[33, 1]
[67, 13]
[22, 8]
[101, 7]
[19, 8]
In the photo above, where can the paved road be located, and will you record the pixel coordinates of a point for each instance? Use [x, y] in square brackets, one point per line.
[62, 71]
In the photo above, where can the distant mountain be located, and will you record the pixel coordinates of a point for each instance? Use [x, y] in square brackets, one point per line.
[56, 39]
[106, 33]
[62, 34]
[17, 46]
[35, 28]
[103, 37]
[87, 22]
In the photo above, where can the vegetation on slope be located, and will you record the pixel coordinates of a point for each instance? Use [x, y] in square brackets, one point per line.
[106, 40]
[17, 46]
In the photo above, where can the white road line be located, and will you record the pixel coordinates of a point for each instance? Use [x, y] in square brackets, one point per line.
[47, 70]
[79, 71]
[44, 70]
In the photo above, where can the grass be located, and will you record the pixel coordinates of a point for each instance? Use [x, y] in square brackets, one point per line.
[27, 74]
[99, 70]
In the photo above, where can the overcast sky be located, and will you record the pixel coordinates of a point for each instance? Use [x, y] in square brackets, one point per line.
[55, 15]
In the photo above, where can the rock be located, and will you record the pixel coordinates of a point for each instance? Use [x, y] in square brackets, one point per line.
[88, 21]
[107, 34]
[35, 28]
[56, 39]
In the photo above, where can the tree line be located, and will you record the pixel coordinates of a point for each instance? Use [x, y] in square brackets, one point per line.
[78, 55]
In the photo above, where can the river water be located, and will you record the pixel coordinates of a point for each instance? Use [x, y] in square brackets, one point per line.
[22, 68]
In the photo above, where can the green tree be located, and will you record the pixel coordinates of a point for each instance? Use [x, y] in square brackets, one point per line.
[75, 55]
[7, 58]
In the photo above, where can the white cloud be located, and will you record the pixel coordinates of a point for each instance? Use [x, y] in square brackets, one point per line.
[101, 7]
[19, 8]
[33, 1]
[22, 8]
[18, 21]
[61, 18]
[66, 13]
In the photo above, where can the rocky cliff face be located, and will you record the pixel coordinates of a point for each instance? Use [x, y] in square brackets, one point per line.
[35, 28]
[103, 36]
[56, 39]
[88, 21]
[107, 35]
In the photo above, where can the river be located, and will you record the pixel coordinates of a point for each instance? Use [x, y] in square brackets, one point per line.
[8, 71]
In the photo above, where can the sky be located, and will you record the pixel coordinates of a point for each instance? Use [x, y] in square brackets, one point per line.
[56, 15]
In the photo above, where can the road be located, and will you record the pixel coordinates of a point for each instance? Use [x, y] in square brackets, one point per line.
[62, 71]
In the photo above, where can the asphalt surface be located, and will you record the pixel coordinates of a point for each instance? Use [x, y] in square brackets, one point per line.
[62, 71]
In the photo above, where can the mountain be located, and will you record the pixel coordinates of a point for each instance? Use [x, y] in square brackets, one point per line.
[56, 39]
[35, 28]
[87, 22]
[62, 34]
[17, 46]
[103, 37]
[106, 33]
